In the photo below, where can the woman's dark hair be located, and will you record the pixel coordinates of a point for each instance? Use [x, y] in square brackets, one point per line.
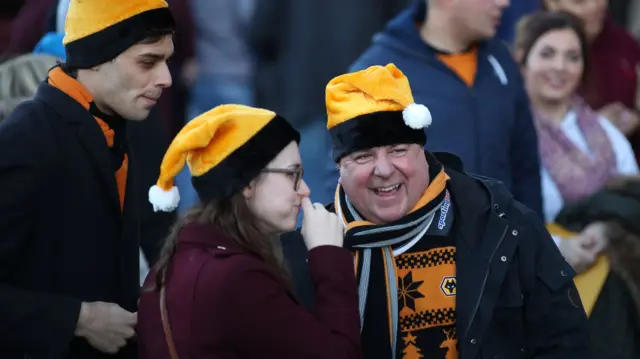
[234, 218]
[530, 28]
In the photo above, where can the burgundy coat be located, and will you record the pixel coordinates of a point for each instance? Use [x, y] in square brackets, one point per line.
[223, 302]
[28, 26]
[611, 76]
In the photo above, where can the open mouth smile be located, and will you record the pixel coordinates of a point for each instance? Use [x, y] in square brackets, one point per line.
[387, 191]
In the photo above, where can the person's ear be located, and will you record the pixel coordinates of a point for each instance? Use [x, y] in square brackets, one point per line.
[517, 55]
[249, 191]
[550, 5]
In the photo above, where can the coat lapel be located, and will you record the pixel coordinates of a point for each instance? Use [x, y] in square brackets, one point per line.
[470, 268]
[92, 138]
[89, 134]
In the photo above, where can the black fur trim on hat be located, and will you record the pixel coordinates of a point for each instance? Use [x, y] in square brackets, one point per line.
[245, 163]
[373, 130]
[107, 44]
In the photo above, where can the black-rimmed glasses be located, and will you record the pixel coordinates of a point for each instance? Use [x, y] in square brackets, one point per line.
[295, 173]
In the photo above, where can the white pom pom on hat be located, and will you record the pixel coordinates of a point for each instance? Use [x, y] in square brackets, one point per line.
[162, 200]
[417, 116]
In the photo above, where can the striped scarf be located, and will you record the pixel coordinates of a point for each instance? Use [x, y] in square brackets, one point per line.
[375, 248]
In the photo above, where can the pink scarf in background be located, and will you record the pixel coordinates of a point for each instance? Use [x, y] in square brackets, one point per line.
[575, 173]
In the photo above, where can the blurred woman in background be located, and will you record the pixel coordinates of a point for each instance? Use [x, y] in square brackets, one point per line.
[580, 150]
[610, 83]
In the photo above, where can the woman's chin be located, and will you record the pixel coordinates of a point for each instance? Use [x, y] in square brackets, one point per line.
[285, 226]
[557, 96]
[290, 225]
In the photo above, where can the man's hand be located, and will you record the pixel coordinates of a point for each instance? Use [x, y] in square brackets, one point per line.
[106, 326]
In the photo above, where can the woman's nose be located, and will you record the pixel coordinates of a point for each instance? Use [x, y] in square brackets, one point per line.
[303, 189]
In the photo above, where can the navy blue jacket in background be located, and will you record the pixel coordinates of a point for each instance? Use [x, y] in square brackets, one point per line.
[488, 125]
[516, 10]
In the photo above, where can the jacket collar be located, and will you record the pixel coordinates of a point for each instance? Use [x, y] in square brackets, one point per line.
[207, 236]
[479, 202]
[70, 110]
[463, 183]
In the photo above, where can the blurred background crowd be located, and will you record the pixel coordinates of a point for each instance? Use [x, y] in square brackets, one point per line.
[280, 54]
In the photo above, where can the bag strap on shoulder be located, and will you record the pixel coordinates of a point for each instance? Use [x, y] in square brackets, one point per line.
[166, 325]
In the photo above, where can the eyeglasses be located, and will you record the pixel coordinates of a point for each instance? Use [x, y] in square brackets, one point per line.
[295, 174]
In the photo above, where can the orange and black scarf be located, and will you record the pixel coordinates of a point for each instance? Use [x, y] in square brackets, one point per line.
[374, 259]
[70, 86]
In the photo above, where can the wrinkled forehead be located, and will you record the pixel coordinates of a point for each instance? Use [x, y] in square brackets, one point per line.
[381, 151]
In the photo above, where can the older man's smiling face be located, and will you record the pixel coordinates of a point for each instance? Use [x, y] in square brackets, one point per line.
[385, 183]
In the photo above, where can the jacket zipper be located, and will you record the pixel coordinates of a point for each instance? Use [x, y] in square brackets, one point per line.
[476, 123]
[484, 281]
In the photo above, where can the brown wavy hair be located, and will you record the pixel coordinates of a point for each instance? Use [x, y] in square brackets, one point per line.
[532, 27]
[234, 218]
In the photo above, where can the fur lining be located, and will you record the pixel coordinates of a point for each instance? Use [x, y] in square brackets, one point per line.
[106, 45]
[624, 253]
[243, 165]
[373, 130]
[618, 206]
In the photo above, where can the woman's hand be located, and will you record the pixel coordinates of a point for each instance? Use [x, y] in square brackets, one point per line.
[625, 120]
[582, 250]
[320, 227]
